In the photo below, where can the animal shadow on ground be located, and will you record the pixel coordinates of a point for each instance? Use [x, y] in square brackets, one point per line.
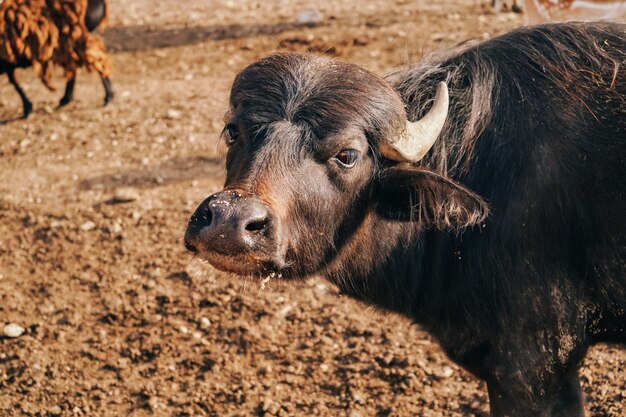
[144, 38]
[174, 170]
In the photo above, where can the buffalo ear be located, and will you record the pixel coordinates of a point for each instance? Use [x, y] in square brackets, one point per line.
[412, 194]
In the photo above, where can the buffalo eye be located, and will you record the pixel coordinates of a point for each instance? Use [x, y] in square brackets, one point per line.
[347, 157]
[232, 133]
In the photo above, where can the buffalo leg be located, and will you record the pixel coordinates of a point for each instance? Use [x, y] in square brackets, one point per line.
[564, 401]
[506, 403]
[503, 405]
[570, 397]
[69, 92]
[28, 106]
[108, 90]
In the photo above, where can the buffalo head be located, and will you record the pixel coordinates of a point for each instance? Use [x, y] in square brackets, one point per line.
[321, 156]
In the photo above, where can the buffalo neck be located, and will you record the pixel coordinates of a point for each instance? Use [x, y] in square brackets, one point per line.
[426, 276]
[396, 267]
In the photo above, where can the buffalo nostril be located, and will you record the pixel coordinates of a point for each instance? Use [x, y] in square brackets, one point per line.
[207, 216]
[190, 247]
[256, 226]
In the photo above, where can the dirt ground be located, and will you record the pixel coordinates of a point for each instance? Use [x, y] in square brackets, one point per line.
[120, 321]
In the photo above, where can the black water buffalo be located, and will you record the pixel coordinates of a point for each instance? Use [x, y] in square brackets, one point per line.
[493, 212]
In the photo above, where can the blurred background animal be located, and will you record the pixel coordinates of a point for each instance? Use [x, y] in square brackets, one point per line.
[504, 5]
[44, 34]
[540, 11]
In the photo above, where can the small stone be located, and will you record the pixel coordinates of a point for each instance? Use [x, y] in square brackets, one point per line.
[29, 408]
[116, 229]
[357, 397]
[323, 367]
[13, 330]
[274, 408]
[123, 363]
[309, 17]
[447, 372]
[205, 323]
[266, 404]
[173, 114]
[437, 37]
[388, 359]
[55, 410]
[87, 226]
[46, 309]
[124, 195]
[285, 310]
[153, 402]
[183, 329]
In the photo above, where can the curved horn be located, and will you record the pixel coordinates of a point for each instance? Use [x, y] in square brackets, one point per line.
[420, 135]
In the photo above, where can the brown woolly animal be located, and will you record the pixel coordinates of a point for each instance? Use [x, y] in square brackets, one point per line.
[48, 33]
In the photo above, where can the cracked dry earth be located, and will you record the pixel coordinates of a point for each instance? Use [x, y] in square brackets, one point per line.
[119, 320]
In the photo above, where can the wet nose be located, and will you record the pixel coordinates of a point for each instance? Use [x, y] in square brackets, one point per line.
[230, 223]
